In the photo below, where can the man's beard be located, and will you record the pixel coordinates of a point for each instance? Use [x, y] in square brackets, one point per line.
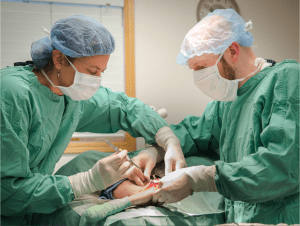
[228, 71]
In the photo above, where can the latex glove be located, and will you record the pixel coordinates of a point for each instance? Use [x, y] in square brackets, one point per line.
[202, 178]
[148, 158]
[174, 158]
[179, 184]
[136, 175]
[104, 173]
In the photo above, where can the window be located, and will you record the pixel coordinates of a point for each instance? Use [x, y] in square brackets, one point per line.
[21, 25]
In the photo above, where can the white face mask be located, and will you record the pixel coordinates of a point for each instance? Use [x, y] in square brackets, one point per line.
[83, 88]
[215, 86]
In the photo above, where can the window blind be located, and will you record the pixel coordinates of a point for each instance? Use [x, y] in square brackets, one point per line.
[21, 25]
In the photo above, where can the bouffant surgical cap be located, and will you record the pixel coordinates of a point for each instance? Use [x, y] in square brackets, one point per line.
[215, 33]
[75, 36]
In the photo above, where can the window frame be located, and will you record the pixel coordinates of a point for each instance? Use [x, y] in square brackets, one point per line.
[129, 142]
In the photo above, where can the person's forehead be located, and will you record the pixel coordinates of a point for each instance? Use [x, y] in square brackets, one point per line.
[99, 61]
[206, 58]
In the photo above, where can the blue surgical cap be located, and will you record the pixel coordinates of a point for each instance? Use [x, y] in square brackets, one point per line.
[215, 33]
[75, 36]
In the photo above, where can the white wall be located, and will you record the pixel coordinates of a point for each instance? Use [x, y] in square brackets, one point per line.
[275, 27]
[160, 27]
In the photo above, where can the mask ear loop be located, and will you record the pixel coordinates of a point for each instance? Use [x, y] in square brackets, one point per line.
[248, 25]
[45, 30]
[44, 73]
[48, 33]
[220, 57]
[258, 62]
[70, 63]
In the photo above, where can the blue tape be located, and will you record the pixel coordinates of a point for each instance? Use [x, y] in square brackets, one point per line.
[107, 193]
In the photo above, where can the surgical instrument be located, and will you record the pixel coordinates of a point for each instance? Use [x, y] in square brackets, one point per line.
[118, 151]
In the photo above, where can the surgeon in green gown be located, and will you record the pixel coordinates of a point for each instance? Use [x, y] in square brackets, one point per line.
[42, 106]
[253, 123]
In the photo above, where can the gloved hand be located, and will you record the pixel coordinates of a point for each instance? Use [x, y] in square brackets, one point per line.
[104, 173]
[148, 158]
[136, 175]
[179, 184]
[174, 158]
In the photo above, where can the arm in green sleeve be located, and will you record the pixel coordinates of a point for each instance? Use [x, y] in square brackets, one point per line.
[109, 112]
[273, 171]
[200, 134]
[99, 212]
[21, 190]
[36, 193]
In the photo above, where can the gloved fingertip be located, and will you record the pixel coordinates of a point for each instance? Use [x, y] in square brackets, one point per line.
[180, 165]
[160, 184]
[143, 178]
[123, 154]
[147, 172]
[139, 183]
[147, 177]
[167, 172]
[168, 168]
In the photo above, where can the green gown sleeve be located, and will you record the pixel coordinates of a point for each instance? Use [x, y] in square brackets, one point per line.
[98, 212]
[273, 171]
[23, 191]
[200, 135]
[109, 112]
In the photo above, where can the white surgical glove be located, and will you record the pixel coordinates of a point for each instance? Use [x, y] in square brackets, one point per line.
[104, 173]
[202, 178]
[179, 184]
[148, 158]
[174, 158]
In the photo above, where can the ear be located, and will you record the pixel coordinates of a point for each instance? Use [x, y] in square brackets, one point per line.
[234, 49]
[57, 57]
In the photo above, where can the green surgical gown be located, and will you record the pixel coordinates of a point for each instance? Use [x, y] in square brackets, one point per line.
[36, 127]
[258, 140]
